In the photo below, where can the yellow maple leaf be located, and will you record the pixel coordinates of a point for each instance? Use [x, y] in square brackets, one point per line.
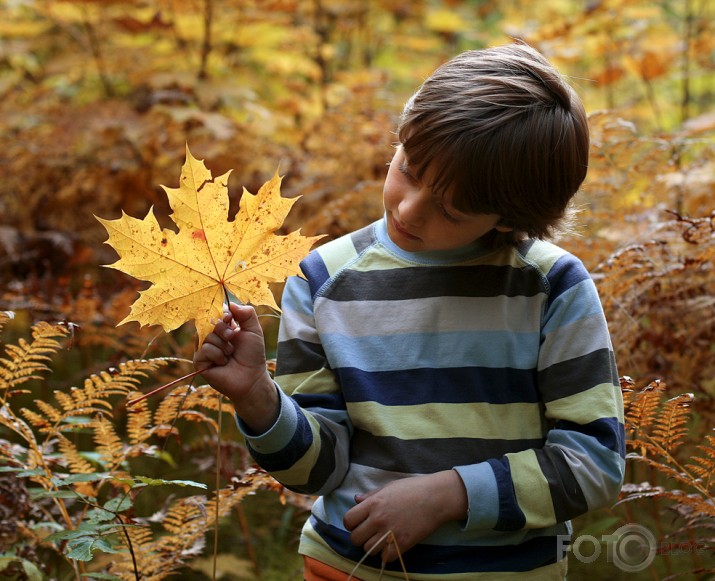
[192, 269]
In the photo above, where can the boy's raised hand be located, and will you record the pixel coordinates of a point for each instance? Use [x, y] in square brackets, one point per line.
[233, 361]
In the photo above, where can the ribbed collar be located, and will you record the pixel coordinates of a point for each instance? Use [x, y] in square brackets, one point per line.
[434, 257]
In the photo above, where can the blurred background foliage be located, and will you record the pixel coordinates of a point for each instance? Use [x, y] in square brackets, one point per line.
[99, 98]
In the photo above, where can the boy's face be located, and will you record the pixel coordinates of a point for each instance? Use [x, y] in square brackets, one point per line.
[419, 221]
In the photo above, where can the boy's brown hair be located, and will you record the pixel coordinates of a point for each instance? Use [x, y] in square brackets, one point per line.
[503, 131]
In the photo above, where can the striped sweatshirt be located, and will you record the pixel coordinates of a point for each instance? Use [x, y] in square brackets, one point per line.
[496, 363]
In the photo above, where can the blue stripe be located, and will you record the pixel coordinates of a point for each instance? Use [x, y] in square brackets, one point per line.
[297, 447]
[409, 351]
[584, 295]
[330, 401]
[608, 431]
[511, 517]
[442, 560]
[450, 385]
[565, 273]
[295, 298]
[315, 271]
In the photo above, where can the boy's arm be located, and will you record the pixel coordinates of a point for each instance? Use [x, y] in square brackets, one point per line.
[581, 464]
[306, 448]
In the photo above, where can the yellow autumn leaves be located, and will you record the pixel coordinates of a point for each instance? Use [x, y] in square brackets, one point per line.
[191, 270]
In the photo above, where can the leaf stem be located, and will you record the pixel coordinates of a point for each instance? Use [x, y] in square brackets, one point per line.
[135, 401]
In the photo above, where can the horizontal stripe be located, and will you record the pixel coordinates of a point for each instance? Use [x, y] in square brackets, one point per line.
[575, 340]
[601, 401]
[450, 385]
[514, 421]
[320, 381]
[395, 352]
[435, 281]
[576, 303]
[426, 456]
[444, 314]
[566, 378]
[330, 401]
[298, 326]
[542, 255]
[296, 356]
[608, 432]
[337, 253]
[566, 273]
[443, 560]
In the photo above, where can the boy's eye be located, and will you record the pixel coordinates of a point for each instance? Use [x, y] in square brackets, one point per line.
[445, 213]
[405, 171]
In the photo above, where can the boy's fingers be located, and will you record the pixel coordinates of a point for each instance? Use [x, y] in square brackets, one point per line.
[212, 352]
[246, 318]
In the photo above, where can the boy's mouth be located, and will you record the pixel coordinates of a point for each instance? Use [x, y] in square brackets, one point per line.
[402, 231]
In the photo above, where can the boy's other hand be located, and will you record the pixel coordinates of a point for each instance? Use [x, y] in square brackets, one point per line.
[411, 508]
[233, 361]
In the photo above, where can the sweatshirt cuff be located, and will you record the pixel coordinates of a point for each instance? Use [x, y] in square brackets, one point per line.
[482, 496]
[279, 434]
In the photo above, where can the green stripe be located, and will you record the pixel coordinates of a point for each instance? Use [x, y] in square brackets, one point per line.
[341, 251]
[514, 421]
[299, 473]
[531, 488]
[601, 401]
[320, 381]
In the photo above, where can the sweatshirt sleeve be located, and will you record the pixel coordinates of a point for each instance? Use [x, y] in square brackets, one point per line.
[307, 447]
[581, 465]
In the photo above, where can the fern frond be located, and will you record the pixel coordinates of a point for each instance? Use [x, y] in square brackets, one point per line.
[694, 502]
[27, 360]
[703, 465]
[38, 421]
[183, 512]
[670, 429]
[168, 407]
[205, 397]
[641, 412]
[65, 400]
[49, 411]
[109, 445]
[178, 405]
[122, 380]
[71, 455]
[139, 428]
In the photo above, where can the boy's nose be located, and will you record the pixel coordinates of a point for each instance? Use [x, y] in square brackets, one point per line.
[412, 209]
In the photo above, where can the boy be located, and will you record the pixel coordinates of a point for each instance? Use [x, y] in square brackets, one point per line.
[453, 391]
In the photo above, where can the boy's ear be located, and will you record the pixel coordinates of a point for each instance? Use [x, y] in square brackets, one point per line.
[503, 229]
